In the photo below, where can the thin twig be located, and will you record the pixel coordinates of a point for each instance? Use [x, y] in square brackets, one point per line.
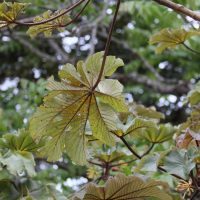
[193, 180]
[190, 49]
[95, 163]
[140, 157]
[148, 150]
[83, 187]
[48, 20]
[76, 15]
[196, 192]
[107, 45]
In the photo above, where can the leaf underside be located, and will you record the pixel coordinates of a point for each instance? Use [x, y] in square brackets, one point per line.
[75, 104]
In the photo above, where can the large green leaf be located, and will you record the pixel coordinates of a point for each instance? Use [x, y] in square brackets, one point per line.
[17, 161]
[48, 27]
[154, 135]
[7, 16]
[21, 141]
[170, 38]
[122, 187]
[180, 162]
[74, 100]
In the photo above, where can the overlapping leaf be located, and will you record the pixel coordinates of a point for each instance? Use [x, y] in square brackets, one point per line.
[154, 135]
[169, 38]
[8, 16]
[48, 27]
[21, 141]
[75, 100]
[17, 161]
[152, 161]
[122, 187]
[184, 140]
[180, 162]
[134, 126]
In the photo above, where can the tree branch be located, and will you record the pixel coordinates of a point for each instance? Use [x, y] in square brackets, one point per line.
[181, 88]
[179, 8]
[140, 57]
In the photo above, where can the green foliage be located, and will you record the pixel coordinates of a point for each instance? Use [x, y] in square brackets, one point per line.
[7, 17]
[48, 27]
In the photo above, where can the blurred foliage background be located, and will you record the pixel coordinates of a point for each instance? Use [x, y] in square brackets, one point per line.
[25, 65]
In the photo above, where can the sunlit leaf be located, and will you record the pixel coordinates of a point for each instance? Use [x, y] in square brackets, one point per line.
[21, 141]
[76, 102]
[154, 135]
[131, 187]
[169, 38]
[48, 27]
[17, 161]
[8, 16]
[180, 162]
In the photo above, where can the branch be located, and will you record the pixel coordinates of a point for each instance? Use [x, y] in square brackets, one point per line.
[95, 163]
[190, 49]
[107, 45]
[35, 50]
[140, 157]
[84, 187]
[140, 57]
[181, 88]
[194, 195]
[179, 8]
[58, 50]
[48, 20]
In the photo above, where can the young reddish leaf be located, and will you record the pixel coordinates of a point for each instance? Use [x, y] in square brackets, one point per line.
[76, 102]
[184, 140]
[170, 38]
[48, 27]
[7, 17]
[122, 187]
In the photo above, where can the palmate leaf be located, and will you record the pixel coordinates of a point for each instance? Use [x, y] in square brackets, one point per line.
[48, 27]
[74, 101]
[122, 187]
[8, 16]
[154, 135]
[180, 162]
[113, 157]
[21, 141]
[169, 38]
